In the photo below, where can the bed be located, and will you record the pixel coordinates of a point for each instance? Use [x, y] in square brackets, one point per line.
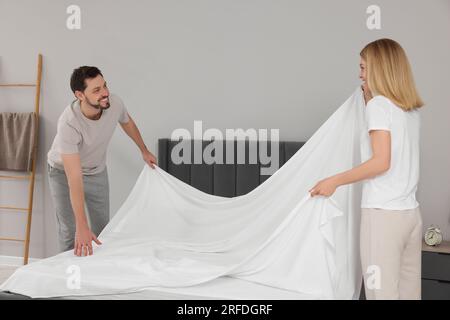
[227, 180]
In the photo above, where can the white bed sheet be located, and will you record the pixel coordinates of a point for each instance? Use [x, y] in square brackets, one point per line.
[167, 234]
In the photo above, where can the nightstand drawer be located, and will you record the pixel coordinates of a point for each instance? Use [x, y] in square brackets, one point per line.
[436, 266]
[435, 290]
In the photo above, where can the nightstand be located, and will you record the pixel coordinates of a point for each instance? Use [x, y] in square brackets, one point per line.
[436, 271]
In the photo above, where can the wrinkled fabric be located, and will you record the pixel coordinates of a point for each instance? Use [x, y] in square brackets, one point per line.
[168, 234]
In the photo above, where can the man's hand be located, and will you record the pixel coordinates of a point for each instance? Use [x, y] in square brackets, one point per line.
[83, 241]
[324, 187]
[149, 158]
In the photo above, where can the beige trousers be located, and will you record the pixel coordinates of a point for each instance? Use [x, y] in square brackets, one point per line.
[391, 253]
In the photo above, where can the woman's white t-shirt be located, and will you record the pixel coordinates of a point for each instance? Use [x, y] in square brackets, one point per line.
[396, 188]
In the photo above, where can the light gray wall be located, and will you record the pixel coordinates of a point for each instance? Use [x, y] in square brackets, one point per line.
[248, 63]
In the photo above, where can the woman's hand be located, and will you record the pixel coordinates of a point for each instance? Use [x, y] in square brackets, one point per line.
[366, 92]
[325, 187]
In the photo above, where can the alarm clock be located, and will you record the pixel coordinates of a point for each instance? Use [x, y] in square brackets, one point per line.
[433, 236]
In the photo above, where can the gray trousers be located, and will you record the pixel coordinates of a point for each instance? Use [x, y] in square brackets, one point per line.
[96, 196]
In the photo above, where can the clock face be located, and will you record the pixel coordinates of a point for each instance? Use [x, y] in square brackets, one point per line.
[432, 237]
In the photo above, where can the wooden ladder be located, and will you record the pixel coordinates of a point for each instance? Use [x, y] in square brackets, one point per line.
[29, 176]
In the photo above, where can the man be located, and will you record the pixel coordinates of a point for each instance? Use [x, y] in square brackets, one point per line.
[77, 159]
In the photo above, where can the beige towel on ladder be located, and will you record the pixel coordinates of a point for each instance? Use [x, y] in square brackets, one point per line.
[17, 137]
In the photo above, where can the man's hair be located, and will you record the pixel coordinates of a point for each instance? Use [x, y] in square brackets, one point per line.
[79, 75]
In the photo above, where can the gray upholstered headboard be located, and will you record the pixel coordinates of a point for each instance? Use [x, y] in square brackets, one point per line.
[227, 180]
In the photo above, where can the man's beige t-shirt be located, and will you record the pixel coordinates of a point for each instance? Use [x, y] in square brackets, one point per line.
[90, 138]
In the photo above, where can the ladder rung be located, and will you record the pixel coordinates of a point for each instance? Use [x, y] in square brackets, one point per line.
[17, 85]
[12, 239]
[28, 176]
[13, 208]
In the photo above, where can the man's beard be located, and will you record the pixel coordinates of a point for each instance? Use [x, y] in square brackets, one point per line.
[97, 106]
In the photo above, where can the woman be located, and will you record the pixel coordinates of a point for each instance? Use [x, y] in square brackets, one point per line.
[391, 223]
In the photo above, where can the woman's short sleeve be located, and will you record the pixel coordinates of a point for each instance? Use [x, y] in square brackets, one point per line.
[378, 114]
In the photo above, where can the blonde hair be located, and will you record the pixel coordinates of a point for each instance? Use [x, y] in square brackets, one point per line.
[388, 73]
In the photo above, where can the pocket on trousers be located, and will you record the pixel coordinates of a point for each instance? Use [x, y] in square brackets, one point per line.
[52, 171]
[419, 216]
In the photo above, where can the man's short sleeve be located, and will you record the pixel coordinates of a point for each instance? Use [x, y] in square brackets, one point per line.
[123, 112]
[378, 114]
[68, 139]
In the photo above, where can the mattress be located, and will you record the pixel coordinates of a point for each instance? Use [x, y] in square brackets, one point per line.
[220, 288]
